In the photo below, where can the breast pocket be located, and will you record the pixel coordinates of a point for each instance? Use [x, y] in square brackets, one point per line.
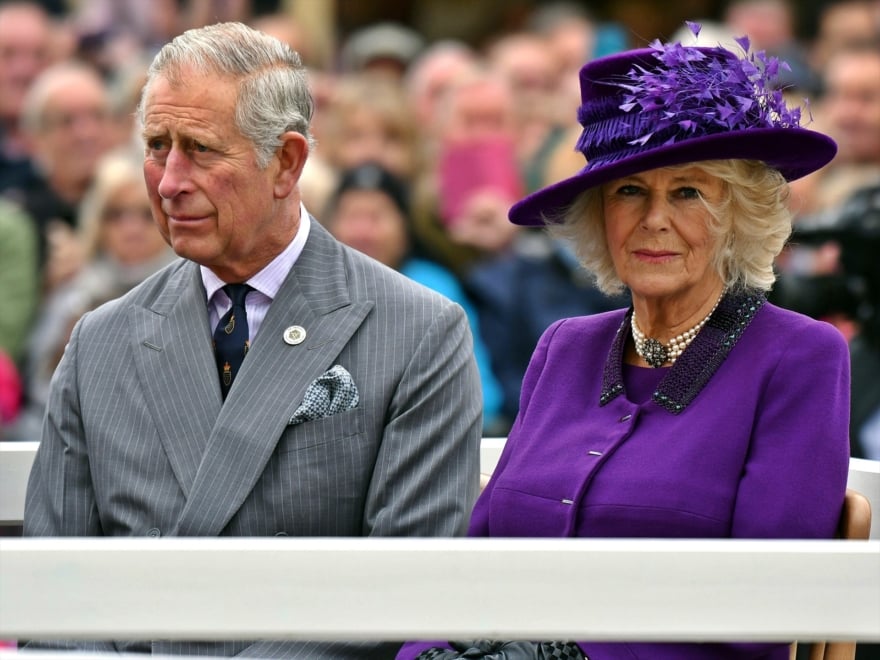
[313, 433]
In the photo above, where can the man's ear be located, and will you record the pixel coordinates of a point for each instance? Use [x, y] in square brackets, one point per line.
[292, 156]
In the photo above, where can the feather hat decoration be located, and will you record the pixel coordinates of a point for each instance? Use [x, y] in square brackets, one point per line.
[671, 104]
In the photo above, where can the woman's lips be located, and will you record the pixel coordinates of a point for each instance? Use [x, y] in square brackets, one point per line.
[654, 255]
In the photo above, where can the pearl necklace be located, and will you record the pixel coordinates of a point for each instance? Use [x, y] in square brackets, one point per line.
[657, 354]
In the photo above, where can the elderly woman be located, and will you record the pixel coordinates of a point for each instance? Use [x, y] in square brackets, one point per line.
[702, 411]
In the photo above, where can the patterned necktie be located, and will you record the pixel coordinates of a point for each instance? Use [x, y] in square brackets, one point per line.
[231, 340]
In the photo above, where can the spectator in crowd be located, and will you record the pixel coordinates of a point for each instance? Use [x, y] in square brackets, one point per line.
[431, 74]
[66, 121]
[286, 28]
[19, 283]
[701, 411]
[474, 176]
[812, 271]
[843, 23]
[518, 278]
[19, 279]
[385, 49]
[25, 38]
[124, 88]
[314, 411]
[847, 292]
[850, 113]
[122, 247]
[368, 119]
[541, 109]
[519, 294]
[10, 394]
[771, 27]
[114, 31]
[370, 212]
[570, 32]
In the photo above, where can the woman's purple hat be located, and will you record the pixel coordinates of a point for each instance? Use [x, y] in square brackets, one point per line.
[672, 104]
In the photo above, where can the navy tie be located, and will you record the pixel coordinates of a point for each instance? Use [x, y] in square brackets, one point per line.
[231, 340]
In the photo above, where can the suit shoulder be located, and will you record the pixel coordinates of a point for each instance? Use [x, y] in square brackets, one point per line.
[785, 325]
[373, 279]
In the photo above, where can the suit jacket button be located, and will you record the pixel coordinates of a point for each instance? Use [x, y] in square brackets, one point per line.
[280, 533]
[154, 533]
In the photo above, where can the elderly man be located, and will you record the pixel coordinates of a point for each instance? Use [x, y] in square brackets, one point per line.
[271, 382]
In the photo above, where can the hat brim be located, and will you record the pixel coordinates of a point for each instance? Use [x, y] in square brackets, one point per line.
[795, 152]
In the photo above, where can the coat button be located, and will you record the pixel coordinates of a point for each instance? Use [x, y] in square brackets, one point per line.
[154, 533]
[280, 533]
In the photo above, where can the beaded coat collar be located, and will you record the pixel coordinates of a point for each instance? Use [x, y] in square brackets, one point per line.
[693, 369]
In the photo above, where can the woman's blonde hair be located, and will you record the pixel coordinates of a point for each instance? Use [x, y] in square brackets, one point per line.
[751, 223]
[116, 170]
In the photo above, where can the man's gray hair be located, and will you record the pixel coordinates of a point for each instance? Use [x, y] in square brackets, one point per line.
[273, 92]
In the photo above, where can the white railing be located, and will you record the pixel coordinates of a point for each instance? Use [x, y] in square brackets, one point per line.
[306, 588]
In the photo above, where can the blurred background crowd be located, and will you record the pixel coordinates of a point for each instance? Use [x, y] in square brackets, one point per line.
[432, 117]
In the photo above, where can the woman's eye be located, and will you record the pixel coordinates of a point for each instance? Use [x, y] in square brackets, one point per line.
[628, 190]
[689, 193]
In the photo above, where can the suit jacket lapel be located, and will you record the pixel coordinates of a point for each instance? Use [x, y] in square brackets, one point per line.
[272, 382]
[175, 360]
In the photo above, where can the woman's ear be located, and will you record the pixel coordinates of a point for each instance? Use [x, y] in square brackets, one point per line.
[292, 156]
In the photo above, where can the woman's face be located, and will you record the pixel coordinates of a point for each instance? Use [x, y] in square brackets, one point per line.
[369, 221]
[367, 136]
[128, 232]
[657, 229]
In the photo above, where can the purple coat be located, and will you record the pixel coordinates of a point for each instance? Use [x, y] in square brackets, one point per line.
[746, 436]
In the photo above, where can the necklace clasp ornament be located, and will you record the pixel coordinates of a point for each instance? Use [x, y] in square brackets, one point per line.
[655, 353]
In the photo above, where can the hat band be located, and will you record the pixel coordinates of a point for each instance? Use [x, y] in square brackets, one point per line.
[612, 139]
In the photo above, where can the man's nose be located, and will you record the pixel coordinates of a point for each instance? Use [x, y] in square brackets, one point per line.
[175, 174]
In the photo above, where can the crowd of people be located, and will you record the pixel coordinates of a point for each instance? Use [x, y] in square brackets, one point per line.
[462, 131]
[351, 268]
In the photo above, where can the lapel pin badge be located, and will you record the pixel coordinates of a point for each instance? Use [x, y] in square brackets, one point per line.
[294, 335]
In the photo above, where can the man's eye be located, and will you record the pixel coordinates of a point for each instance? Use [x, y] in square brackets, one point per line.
[200, 148]
[155, 144]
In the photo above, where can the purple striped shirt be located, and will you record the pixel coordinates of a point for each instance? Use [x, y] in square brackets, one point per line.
[266, 283]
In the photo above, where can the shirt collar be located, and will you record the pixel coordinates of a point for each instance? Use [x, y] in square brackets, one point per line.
[269, 280]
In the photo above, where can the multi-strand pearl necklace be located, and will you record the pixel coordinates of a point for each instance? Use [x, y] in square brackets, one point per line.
[655, 353]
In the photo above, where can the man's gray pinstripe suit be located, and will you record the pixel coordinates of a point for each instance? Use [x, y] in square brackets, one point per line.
[136, 441]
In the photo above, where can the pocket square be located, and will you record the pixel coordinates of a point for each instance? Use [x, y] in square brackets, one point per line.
[332, 392]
